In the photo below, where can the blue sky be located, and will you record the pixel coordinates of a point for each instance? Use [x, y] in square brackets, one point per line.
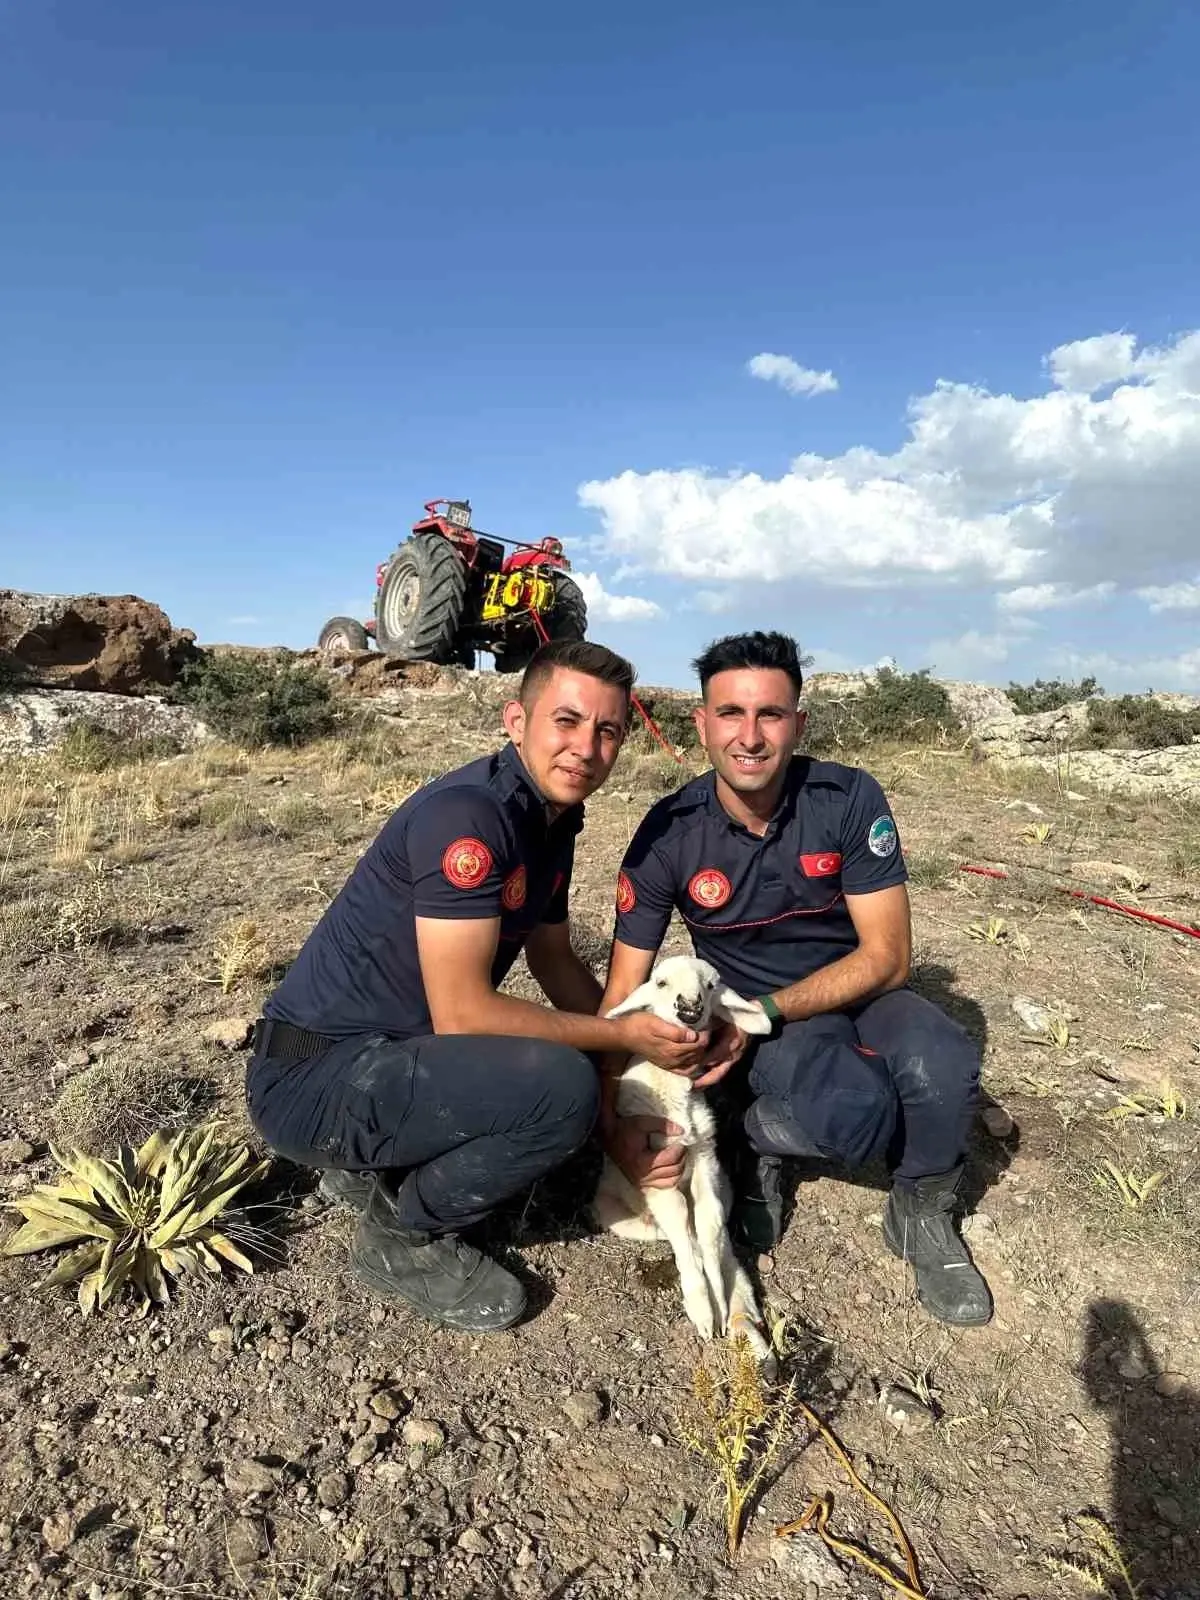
[271, 276]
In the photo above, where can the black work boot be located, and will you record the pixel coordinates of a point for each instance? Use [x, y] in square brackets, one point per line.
[756, 1218]
[346, 1188]
[918, 1226]
[439, 1275]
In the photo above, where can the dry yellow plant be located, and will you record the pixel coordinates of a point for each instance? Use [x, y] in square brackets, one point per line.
[237, 951]
[737, 1421]
[75, 820]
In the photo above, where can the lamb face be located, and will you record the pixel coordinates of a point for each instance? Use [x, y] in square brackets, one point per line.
[683, 989]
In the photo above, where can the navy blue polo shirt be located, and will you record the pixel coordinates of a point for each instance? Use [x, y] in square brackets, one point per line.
[767, 911]
[473, 843]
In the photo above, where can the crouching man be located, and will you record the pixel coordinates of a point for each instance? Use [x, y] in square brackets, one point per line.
[387, 1057]
[789, 876]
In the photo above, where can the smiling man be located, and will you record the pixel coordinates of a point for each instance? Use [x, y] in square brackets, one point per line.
[789, 876]
[388, 1057]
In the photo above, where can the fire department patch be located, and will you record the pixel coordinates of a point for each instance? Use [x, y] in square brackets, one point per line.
[512, 895]
[626, 894]
[466, 862]
[710, 888]
[823, 865]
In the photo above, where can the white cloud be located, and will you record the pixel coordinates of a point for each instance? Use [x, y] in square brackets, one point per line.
[1050, 596]
[790, 375]
[970, 654]
[714, 601]
[1120, 673]
[1066, 489]
[1174, 597]
[605, 607]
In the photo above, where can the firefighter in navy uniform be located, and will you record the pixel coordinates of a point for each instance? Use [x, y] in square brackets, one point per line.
[790, 879]
[387, 1057]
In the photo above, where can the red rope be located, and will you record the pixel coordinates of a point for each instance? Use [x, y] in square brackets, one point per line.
[645, 715]
[1098, 900]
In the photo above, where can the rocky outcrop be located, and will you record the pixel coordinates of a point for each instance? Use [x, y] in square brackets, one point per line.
[1173, 771]
[118, 644]
[35, 721]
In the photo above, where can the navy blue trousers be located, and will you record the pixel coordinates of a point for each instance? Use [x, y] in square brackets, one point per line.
[893, 1079]
[461, 1122]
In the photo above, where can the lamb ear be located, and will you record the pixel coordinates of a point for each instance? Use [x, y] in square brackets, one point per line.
[747, 1014]
[642, 999]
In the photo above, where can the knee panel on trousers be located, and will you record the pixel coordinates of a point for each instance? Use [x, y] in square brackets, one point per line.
[841, 1098]
[566, 1093]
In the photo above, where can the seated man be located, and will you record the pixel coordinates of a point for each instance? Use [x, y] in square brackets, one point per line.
[387, 1057]
[789, 876]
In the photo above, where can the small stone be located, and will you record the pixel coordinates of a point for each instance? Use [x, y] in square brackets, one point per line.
[59, 1532]
[1035, 1017]
[246, 1541]
[904, 1411]
[998, 1122]
[248, 1476]
[474, 1542]
[584, 1409]
[15, 1152]
[766, 1265]
[361, 1451]
[1130, 1365]
[1169, 1384]
[385, 1404]
[78, 1057]
[221, 1334]
[333, 1489]
[1169, 1509]
[647, 1545]
[419, 1433]
[230, 1033]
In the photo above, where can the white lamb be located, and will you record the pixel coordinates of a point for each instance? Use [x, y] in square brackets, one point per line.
[717, 1294]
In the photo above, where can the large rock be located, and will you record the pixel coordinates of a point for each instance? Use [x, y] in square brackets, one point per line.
[117, 643]
[35, 721]
[1174, 771]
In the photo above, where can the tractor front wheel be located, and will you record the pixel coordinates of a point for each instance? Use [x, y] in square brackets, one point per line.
[420, 604]
[343, 633]
[568, 619]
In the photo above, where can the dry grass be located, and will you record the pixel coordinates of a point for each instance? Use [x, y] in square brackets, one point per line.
[76, 821]
[122, 1099]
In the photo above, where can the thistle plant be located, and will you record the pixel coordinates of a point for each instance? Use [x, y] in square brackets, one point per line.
[737, 1422]
[137, 1218]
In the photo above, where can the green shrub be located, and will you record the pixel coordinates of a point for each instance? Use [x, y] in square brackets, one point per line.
[1050, 694]
[907, 706]
[260, 700]
[674, 720]
[90, 747]
[1136, 722]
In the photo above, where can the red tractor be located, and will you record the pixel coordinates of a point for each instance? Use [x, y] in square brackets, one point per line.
[449, 591]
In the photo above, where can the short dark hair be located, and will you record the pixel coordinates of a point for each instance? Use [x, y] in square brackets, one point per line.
[576, 655]
[763, 651]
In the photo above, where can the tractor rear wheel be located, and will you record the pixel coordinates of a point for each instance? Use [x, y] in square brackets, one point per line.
[343, 633]
[420, 603]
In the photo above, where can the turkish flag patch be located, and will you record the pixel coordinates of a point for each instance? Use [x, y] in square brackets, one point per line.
[823, 865]
[466, 862]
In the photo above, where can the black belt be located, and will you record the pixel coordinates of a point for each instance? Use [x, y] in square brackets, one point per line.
[283, 1042]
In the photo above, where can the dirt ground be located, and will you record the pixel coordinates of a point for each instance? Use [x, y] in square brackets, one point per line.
[287, 1435]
